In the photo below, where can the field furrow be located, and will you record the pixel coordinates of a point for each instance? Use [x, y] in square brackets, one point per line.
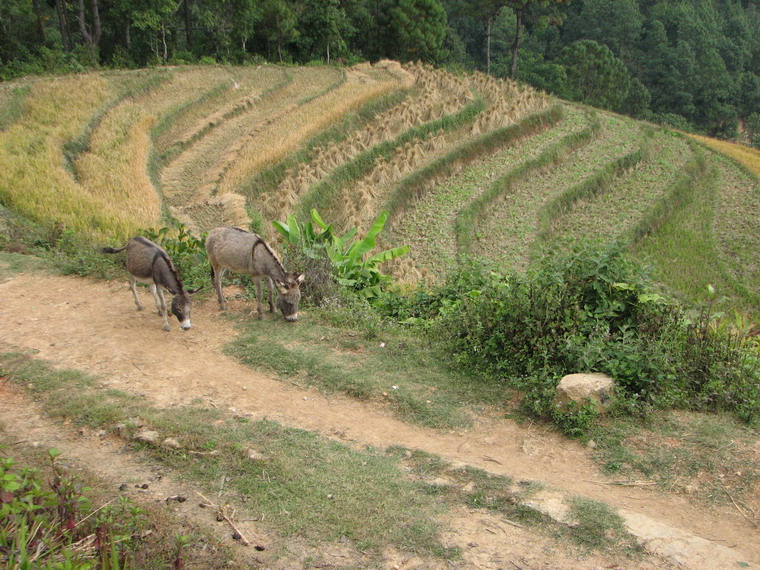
[193, 177]
[285, 134]
[611, 214]
[241, 89]
[507, 233]
[428, 225]
[737, 238]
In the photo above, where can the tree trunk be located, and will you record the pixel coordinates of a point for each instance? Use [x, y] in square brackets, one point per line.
[516, 44]
[128, 35]
[488, 45]
[188, 23]
[165, 56]
[91, 37]
[63, 24]
[40, 21]
[328, 52]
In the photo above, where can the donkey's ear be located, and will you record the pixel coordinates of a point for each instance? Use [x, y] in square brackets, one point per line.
[299, 278]
[281, 286]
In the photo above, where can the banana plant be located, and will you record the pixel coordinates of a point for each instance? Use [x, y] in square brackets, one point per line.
[347, 254]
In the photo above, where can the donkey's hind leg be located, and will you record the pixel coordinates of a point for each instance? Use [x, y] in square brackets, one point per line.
[259, 308]
[133, 286]
[216, 280]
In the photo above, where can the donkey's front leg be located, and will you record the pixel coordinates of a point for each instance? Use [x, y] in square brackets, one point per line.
[271, 294]
[133, 286]
[158, 295]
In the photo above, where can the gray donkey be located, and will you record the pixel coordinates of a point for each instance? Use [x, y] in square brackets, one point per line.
[148, 263]
[244, 252]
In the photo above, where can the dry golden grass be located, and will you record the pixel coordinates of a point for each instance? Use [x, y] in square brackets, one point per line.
[115, 169]
[284, 135]
[34, 180]
[749, 157]
[236, 87]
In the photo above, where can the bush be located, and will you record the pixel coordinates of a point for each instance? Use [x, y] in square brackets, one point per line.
[589, 309]
[57, 528]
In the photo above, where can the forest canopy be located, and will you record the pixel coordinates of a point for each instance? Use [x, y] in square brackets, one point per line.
[690, 64]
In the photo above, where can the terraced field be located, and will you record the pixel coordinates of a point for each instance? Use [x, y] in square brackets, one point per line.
[465, 164]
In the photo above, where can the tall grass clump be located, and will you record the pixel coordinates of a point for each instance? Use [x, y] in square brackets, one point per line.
[590, 309]
[34, 181]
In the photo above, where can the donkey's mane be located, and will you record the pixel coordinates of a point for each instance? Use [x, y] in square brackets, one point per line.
[260, 241]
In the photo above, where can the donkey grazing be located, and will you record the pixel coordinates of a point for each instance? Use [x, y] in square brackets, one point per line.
[244, 252]
[148, 263]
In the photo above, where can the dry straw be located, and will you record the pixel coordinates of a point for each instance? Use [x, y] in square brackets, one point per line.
[34, 180]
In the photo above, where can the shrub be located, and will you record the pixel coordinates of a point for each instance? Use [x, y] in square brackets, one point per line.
[187, 252]
[589, 309]
[57, 528]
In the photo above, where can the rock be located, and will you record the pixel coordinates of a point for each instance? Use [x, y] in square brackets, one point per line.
[146, 436]
[171, 443]
[581, 388]
[255, 455]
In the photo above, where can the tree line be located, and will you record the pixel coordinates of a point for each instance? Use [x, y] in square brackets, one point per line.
[691, 64]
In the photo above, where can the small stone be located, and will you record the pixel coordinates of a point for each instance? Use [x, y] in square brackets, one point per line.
[591, 444]
[255, 455]
[147, 436]
[171, 443]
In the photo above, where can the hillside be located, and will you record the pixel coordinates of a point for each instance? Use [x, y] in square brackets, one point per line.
[466, 165]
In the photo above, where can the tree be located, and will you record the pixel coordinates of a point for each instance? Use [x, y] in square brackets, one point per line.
[155, 16]
[487, 11]
[279, 22]
[324, 28]
[419, 27]
[90, 32]
[594, 75]
[523, 9]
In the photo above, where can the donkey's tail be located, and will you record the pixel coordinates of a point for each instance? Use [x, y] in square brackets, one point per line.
[112, 250]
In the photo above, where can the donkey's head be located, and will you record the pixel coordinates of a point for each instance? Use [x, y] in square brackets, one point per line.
[290, 295]
[181, 308]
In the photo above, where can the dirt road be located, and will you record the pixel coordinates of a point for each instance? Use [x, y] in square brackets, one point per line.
[93, 327]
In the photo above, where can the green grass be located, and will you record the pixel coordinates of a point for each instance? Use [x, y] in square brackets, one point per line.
[709, 457]
[394, 368]
[306, 487]
[12, 105]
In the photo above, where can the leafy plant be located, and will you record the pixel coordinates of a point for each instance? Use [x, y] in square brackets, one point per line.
[347, 254]
[187, 252]
[57, 527]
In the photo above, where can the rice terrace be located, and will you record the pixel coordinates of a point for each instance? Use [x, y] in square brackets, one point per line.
[496, 238]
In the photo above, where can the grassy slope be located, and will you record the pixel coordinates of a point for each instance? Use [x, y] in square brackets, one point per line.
[202, 119]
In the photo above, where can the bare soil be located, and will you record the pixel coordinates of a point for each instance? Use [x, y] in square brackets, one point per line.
[93, 327]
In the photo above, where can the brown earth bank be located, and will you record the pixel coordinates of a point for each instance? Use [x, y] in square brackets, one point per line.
[93, 327]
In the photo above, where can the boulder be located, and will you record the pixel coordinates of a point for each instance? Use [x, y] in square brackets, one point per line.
[581, 388]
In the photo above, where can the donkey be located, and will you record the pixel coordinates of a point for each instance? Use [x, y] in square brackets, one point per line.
[148, 263]
[244, 252]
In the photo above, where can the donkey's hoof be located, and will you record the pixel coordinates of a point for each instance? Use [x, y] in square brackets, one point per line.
[139, 308]
[167, 328]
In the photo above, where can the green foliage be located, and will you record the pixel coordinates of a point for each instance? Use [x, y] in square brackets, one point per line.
[57, 527]
[347, 254]
[187, 252]
[594, 75]
[588, 309]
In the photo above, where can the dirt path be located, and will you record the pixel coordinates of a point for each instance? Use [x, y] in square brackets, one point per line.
[93, 327]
